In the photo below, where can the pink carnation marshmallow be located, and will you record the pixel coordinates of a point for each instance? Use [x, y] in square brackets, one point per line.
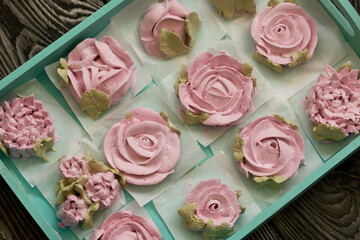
[74, 167]
[168, 14]
[125, 225]
[71, 212]
[22, 122]
[142, 147]
[335, 100]
[103, 188]
[215, 201]
[103, 65]
[271, 147]
[217, 86]
[281, 31]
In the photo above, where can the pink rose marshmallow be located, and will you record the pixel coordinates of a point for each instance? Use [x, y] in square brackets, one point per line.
[98, 74]
[71, 212]
[168, 29]
[26, 128]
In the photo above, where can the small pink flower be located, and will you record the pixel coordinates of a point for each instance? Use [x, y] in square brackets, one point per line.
[74, 167]
[71, 212]
[103, 188]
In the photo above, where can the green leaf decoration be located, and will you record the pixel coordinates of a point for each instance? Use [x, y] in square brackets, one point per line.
[324, 132]
[291, 1]
[273, 3]
[299, 57]
[190, 220]
[225, 7]
[237, 148]
[238, 193]
[245, 6]
[62, 71]
[171, 44]
[88, 222]
[257, 56]
[347, 65]
[243, 209]
[247, 69]
[3, 148]
[212, 232]
[80, 190]
[288, 122]
[94, 103]
[182, 79]
[276, 181]
[18, 95]
[66, 188]
[128, 115]
[191, 119]
[42, 145]
[172, 127]
[192, 25]
[95, 166]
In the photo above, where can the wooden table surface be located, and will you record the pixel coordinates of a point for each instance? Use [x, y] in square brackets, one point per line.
[329, 210]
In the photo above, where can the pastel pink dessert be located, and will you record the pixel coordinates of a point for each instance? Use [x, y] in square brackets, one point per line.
[71, 212]
[26, 128]
[216, 89]
[74, 167]
[284, 34]
[166, 18]
[213, 208]
[142, 147]
[333, 104]
[99, 70]
[125, 225]
[269, 148]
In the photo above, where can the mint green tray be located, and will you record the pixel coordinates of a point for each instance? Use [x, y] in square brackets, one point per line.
[342, 13]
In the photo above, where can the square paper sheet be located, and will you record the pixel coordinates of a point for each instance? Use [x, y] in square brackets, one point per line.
[207, 134]
[65, 127]
[46, 182]
[191, 152]
[219, 167]
[143, 78]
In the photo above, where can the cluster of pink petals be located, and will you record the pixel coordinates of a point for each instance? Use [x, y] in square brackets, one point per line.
[74, 167]
[335, 100]
[71, 212]
[22, 122]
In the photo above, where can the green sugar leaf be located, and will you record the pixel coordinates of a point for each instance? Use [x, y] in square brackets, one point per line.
[3, 148]
[247, 69]
[275, 181]
[273, 3]
[42, 145]
[192, 25]
[80, 190]
[257, 56]
[238, 193]
[66, 188]
[18, 95]
[191, 119]
[190, 220]
[347, 65]
[213, 232]
[89, 215]
[237, 148]
[299, 57]
[324, 132]
[172, 127]
[171, 44]
[291, 1]
[182, 79]
[94, 103]
[245, 6]
[62, 71]
[225, 7]
[288, 122]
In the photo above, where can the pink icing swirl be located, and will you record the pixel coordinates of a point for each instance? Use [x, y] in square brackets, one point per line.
[22, 122]
[142, 147]
[103, 188]
[168, 14]
[125, 225]
[283, 30]
[74, 167]
[71, 212]
[103, 65]
[271, 147]
[335, 100]
[217, 86]
[215, 201]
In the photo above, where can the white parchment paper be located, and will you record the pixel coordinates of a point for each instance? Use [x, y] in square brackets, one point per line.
[191, 152]
[143, 78]
[128, 21]
[46, 182]
[219, 167]
[207, 134]
[65, 126]
[266, 194]
[331, 48]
